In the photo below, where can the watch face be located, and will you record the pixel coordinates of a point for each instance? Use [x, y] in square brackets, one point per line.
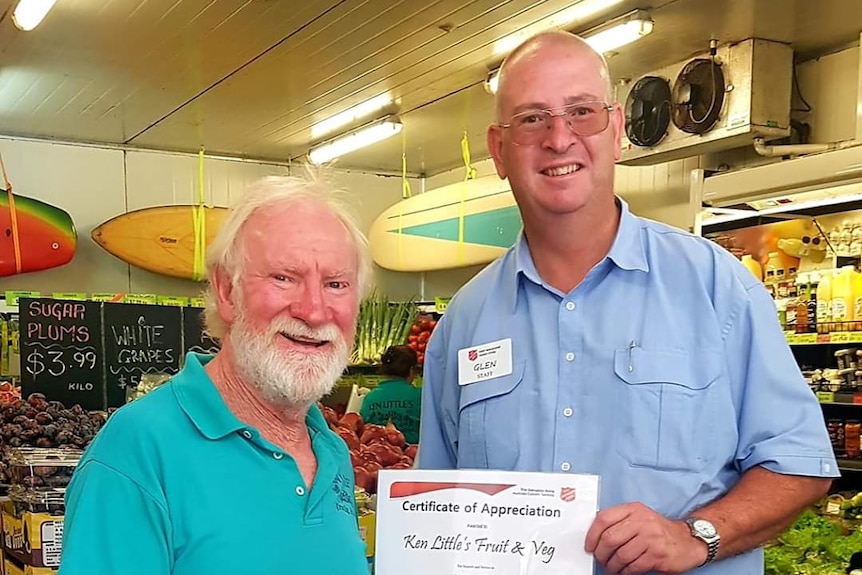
[705, 528]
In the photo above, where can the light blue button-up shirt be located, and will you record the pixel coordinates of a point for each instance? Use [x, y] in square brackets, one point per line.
[665, 372]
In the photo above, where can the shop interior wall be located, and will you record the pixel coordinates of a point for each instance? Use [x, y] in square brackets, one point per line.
[95, 184]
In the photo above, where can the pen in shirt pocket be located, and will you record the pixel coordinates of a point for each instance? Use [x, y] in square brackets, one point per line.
[632, 345]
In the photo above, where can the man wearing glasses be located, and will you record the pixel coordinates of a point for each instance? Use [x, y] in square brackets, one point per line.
[620, 347]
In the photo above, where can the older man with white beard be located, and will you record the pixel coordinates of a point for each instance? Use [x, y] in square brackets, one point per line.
[230, 467]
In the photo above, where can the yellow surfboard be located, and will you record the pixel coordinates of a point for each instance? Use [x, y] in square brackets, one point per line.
[464, 224]
[159, 239]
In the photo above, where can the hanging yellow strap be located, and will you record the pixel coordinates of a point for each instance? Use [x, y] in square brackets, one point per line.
[405, 183]
[13, 215]
[465, 153]
[405, 194]
[470, 175]
[200, 222]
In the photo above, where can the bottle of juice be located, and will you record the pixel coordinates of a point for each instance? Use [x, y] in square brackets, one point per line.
[802, 303]
[824, 303]
[790, 309]
[842, 299]
[753, 266]
[856, 283]
[771, 272]
[813, 284]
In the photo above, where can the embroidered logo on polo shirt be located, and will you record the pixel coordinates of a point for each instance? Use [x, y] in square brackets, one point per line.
[344, 498]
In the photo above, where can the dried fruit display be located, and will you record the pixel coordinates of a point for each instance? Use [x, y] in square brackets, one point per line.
[38, 422]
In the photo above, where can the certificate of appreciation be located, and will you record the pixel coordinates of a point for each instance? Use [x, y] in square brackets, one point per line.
[469, 522]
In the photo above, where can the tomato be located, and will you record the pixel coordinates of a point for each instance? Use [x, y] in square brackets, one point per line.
[421, 358]
[432, 324]
[422, 347]
[412, 338]
[415, 329]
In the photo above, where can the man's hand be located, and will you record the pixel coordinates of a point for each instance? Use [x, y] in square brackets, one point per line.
[632, 538]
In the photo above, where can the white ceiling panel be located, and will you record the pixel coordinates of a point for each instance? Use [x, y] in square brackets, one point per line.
[250, 77]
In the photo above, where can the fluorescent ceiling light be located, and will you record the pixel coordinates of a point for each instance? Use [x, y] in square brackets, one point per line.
[29, 13]
[620, 34]
[350, 115]
[615, 34]
[562, 19]
[350, 142]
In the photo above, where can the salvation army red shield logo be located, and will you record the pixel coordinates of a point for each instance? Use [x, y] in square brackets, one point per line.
[567, 494]
[472, 355]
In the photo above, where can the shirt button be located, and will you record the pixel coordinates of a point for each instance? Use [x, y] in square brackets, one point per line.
[300, 490]
[278, 455]
[566, 466]
[570, 356]
[570, 305]
[568, 412]
[246, 434]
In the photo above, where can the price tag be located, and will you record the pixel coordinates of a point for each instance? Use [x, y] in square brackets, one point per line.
[107, 297]
[12, 297]
[197, 302]
[839, 337]
[792, 338]
[440, 304]
[69, 296]
[807, 338]
[826, 397]
[141, 298]
[177, 301]
[822, 338]
[833, 508]
[856, 337]
[857, 399]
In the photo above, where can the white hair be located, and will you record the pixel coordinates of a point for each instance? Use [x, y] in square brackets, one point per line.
[226, 253]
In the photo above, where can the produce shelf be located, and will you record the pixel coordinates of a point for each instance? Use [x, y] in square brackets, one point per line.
[836, 337]
[850, 464]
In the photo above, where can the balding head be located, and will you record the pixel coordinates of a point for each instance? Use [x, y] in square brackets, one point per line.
[541, 46]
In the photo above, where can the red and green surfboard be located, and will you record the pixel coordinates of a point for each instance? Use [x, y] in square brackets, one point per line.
[46, 236]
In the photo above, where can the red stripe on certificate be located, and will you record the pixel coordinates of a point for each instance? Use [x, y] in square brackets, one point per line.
[408, 488]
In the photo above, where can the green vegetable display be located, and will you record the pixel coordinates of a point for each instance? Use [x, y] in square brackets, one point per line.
[812, 545]
[381, 324]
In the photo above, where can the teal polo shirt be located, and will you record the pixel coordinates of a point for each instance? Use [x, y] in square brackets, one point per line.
[394, 400]
[176, 484]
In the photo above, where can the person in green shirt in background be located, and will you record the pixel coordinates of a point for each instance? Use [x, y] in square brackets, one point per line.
[396, 399]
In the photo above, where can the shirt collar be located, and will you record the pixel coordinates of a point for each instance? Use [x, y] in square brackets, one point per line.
[627, 252]
[201, 401]
[205, 407]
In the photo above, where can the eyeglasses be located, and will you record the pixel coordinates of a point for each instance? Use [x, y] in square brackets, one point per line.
[583, 119]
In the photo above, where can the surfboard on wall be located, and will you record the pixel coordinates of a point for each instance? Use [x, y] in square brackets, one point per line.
[46, 235]
[464, 224]
[159, 239]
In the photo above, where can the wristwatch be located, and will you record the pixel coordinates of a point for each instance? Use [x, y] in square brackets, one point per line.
[706, 532]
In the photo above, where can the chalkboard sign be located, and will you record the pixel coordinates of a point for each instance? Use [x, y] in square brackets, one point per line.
[61, 351]
[193, 333]
[139, 339]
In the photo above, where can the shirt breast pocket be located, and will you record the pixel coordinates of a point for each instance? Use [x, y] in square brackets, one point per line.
[667, 422]
[489, 422]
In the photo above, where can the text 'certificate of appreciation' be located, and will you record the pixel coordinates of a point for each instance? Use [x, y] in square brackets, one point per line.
[470, 522]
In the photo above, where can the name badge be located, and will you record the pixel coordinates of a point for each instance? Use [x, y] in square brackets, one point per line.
[485, 361]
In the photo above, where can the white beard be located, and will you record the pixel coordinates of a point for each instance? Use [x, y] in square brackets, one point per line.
[293, 377]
